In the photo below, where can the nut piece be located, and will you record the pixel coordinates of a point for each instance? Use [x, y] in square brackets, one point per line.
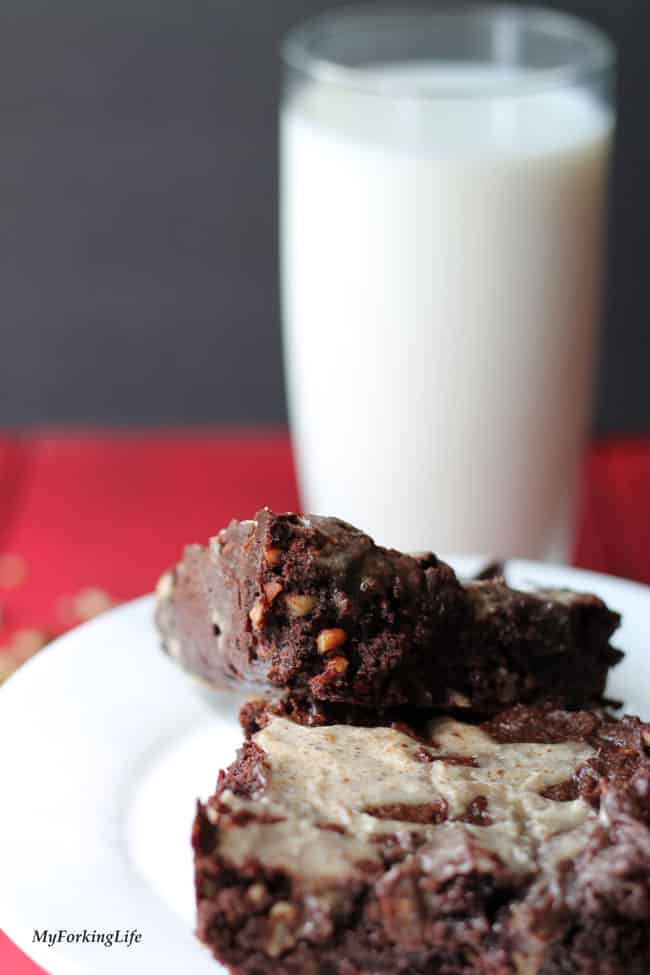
[328, 640]
[272, 555]
[283, 917]
[271, 590]
[455, 699]
[283, 911]
[257, 894]
[298, 605]
[336, 667]
[256, 614]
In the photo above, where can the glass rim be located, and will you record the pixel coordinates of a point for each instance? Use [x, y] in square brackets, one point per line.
[599, 57]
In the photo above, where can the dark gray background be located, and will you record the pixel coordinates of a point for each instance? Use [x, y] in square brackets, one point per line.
[137, 199]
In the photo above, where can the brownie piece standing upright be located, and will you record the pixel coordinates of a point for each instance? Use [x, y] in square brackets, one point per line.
[520, 847]
[312, 607]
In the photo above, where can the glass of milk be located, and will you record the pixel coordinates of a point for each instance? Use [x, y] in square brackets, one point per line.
[443, 197]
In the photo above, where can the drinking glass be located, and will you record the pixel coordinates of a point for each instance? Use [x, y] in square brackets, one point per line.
[442, 212]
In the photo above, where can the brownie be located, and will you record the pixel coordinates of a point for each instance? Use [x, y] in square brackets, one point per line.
[520, 846]
[311, 607]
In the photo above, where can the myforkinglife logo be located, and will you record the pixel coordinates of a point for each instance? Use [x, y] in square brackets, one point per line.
[124, 937]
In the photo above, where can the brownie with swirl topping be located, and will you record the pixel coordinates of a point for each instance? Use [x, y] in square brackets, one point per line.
[519, 846]
[311, 608]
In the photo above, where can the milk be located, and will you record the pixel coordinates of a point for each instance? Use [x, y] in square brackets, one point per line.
[441, 278]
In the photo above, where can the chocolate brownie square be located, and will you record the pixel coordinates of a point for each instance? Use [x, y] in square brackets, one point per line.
[516, 847]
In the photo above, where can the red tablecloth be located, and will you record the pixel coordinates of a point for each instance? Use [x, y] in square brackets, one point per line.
[86, 519]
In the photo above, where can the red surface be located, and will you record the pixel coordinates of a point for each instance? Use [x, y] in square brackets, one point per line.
[111, 511]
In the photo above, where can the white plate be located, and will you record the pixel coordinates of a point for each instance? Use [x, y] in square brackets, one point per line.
[105, 748]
